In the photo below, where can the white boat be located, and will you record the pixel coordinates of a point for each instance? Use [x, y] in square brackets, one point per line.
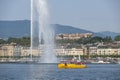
[118, 62]
[100, 62]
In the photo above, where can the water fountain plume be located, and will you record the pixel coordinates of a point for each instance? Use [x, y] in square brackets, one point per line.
[41, 30]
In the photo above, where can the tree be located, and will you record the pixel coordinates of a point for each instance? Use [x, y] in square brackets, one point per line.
[24, 41]
[15, 40]
[83, 40]
[117, 38]
[2, 41]
[107, 39]
[96, 39]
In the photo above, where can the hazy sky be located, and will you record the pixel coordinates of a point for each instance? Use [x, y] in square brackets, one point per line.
[94, 15]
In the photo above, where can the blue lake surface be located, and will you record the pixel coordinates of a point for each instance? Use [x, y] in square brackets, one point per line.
[51, 72]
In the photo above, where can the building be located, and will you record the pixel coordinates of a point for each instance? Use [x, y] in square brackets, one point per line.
[6, 50]
[1, 52]
[17, 51]
[69, 51]
[104, 50]
[93, 50]
[73, 36]
[60, 51]
[74, 51]
[26, 51]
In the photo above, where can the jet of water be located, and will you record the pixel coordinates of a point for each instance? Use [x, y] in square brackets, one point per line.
[42, 31]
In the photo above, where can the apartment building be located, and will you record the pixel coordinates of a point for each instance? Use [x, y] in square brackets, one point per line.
[1, 51]
[93, 50]
[17, 51]
[60, 52]
[104, 50]
[11, 50]
[69, 51]
[6, 50]
[26, 51]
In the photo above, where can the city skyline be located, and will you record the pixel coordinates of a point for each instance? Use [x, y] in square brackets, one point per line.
[90, 15]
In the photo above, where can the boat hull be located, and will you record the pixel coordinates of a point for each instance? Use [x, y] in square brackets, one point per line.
[71, 66]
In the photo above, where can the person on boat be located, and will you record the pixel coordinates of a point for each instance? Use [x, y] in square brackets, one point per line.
[65, 64]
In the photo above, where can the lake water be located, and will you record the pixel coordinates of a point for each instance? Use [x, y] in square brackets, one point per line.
[51, 72]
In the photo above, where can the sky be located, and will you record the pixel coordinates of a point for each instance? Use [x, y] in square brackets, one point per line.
[93, 15]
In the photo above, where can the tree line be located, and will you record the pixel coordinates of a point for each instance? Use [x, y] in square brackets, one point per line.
[25, 41]
[90, 40]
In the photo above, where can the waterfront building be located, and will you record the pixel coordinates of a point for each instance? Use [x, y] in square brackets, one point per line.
[74, 51]
[103, 50]
[93, 50]
[17, 51]
[7, 50]
[60, 51]
[118, 51]
[27, 52]
[1, 52]
[69, 51]
[107, 50]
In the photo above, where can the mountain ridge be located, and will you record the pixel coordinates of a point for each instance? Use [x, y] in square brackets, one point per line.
[20, 28]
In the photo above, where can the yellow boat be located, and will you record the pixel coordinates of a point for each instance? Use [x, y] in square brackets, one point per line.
[71, 65]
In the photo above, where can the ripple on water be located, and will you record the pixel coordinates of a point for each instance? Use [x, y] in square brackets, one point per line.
[51, 72]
